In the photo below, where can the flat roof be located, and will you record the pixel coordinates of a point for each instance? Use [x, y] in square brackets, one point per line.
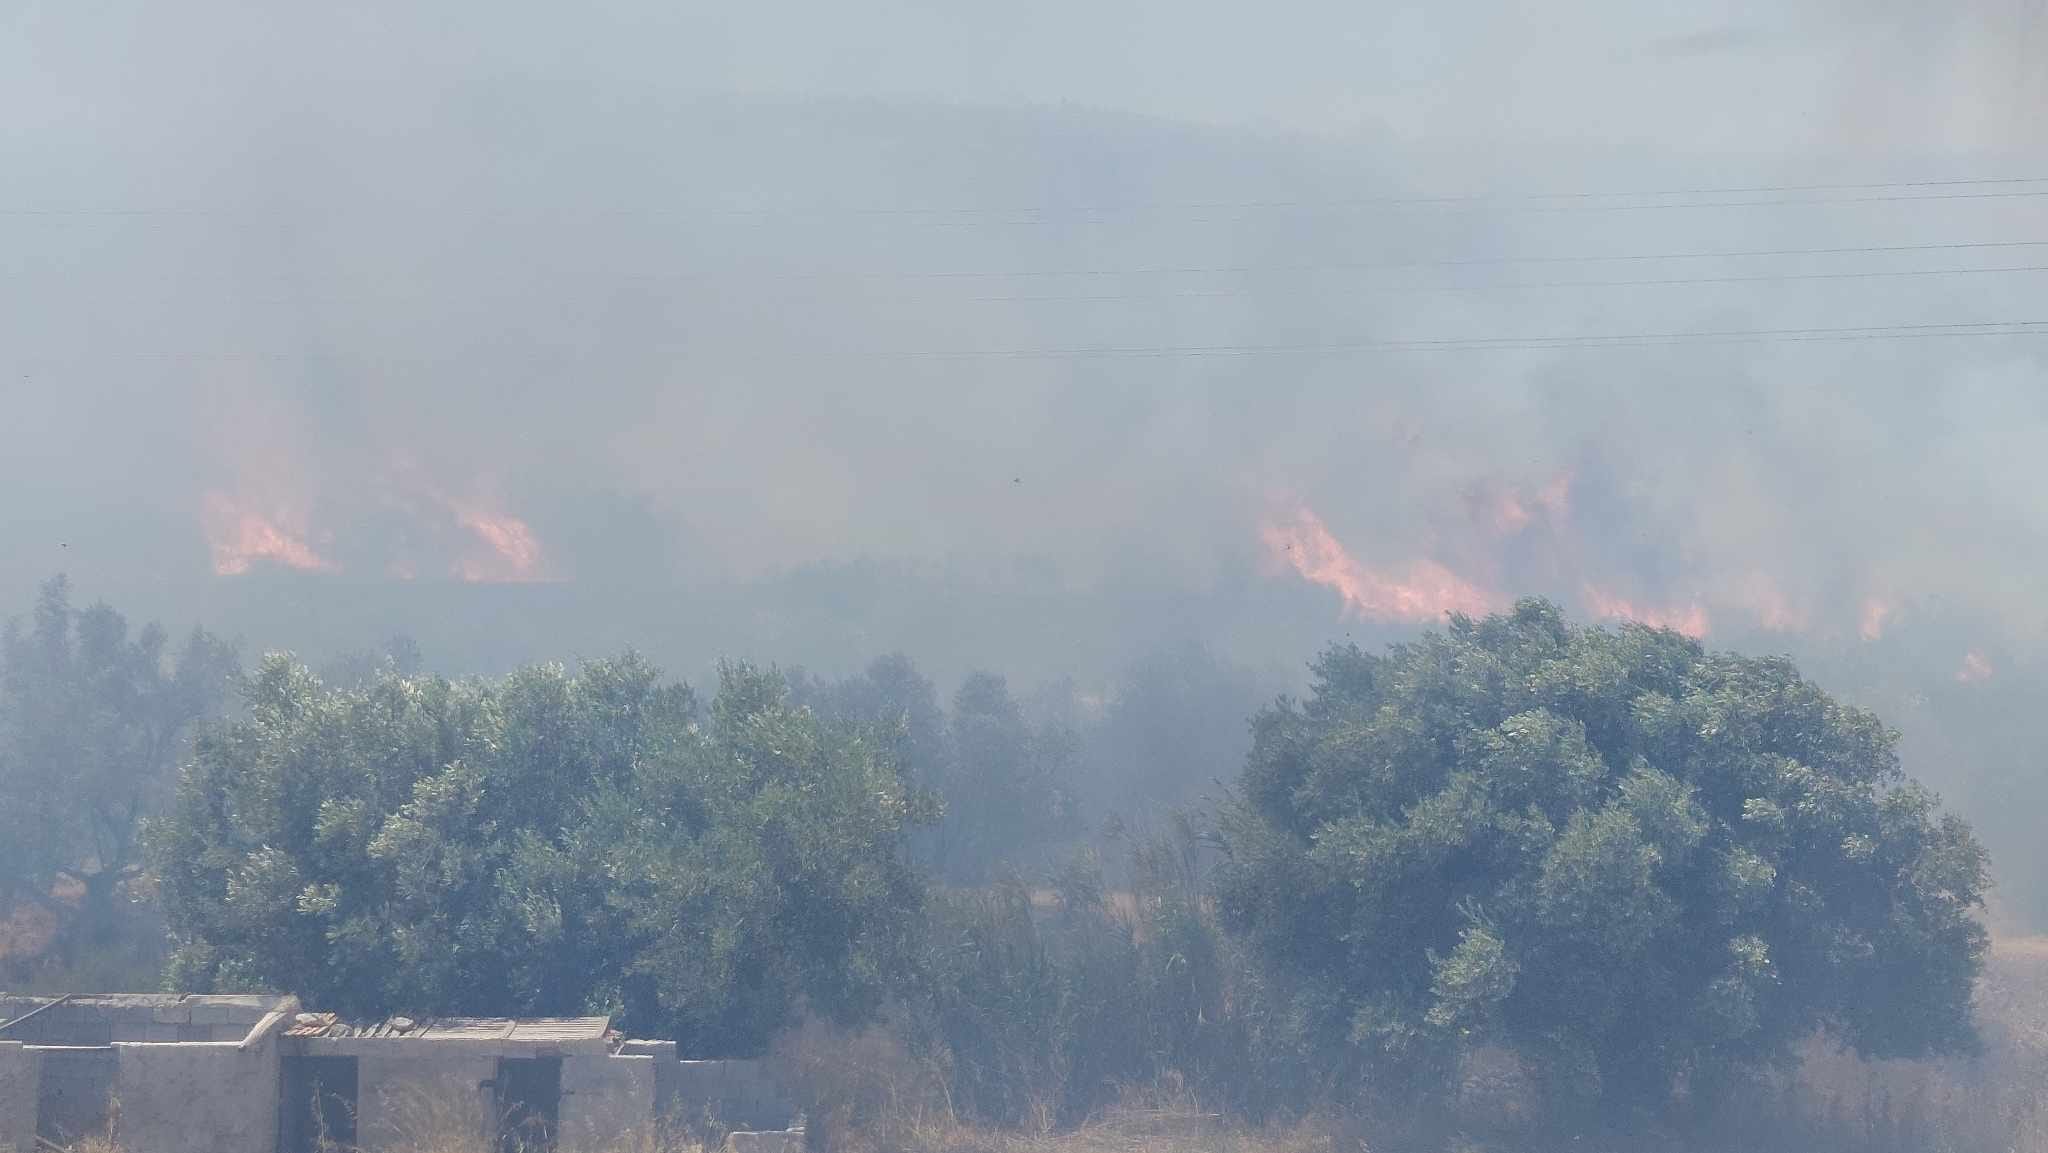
[541, 1030]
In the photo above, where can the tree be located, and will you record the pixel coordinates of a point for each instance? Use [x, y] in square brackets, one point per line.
[359, 667]
[1002, 781]
[1632, 861]
[552, 842]
[1006, 787]
[1174, 729]
[92, 723]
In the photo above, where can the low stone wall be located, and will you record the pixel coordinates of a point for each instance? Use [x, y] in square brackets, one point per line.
[194, 1098]
[17, 1098]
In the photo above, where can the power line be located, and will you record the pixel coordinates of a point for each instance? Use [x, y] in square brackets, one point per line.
[1520, 343]
[1981, 188]
[1474, 286]
[1512, 285]
[1573, 341]
[1421, 201]
[1361, 266]
[1047, 217]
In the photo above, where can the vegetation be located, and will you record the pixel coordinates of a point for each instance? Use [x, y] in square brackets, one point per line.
[553, 842]
[1638, 865]
[1006, 782]
[1515, 877]
[92, 724]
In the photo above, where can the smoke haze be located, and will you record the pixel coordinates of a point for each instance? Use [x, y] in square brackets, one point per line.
[1045, 338]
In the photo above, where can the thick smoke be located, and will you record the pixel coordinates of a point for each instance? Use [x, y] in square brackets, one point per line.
[529, 336]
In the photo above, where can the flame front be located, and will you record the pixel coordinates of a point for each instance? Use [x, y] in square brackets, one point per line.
[1877, 612]
[1976, 668]
[1690, 619]
[515, 553]
[1426, 591]
[1774, 611]
[239, 536]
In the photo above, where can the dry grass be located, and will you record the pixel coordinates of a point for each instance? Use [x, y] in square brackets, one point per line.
[1996, 1102]
[871, 1096]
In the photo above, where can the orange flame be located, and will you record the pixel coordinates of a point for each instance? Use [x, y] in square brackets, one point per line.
[1556, 497]
[1508, 509]
[1773, 611]
[1976, 668]
[1877, 613]
[515, 553]
[239, 536]
[1425, 592]
[1510, 515]
[1690, 620]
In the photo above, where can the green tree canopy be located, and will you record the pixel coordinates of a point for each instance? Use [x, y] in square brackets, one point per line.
[1004, 782]
[551, 842]
[92, 723]
[1635, 862]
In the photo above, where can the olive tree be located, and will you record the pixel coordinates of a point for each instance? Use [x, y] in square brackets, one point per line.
[554, 841]
[1637, 863]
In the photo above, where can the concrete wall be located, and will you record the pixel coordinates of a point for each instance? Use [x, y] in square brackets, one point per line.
[102, 1020]
[735, 1094]
[667, 1075]
[74, 1093]
[403, 1099]
[607, 1103]
[196, 1098]
[17, 1098]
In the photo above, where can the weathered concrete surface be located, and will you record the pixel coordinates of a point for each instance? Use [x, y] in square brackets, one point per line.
[745, 1094]
[74, 1092]
[607, 1103]
[667, 1074]
[17, 1098]
[405, 1101]
[102, 1019]
[196, 1098]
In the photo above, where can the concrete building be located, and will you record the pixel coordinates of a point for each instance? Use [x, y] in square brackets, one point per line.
[193, 1074]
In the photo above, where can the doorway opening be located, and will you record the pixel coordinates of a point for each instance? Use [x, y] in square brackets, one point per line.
[529, 1101]
[318, 1106]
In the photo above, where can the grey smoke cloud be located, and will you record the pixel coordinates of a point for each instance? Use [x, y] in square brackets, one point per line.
[678, 289]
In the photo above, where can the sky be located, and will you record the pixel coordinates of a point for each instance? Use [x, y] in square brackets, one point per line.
[1041, 337]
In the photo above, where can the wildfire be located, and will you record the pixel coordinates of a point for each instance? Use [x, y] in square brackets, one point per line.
[1976, 668]
[1556, 497]
[1426, 591]
[1761, 595]
[1510, 515]
[514, 555]
[1508, 509]
[1690, 620]
[1877, 613]
[239, 536]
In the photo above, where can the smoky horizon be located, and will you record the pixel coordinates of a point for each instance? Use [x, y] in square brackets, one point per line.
[1047, 342]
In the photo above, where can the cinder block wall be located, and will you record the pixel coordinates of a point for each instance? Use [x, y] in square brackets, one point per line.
[17, 1098]
[212, 1098]
[102, 1020]
[735, 1094]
